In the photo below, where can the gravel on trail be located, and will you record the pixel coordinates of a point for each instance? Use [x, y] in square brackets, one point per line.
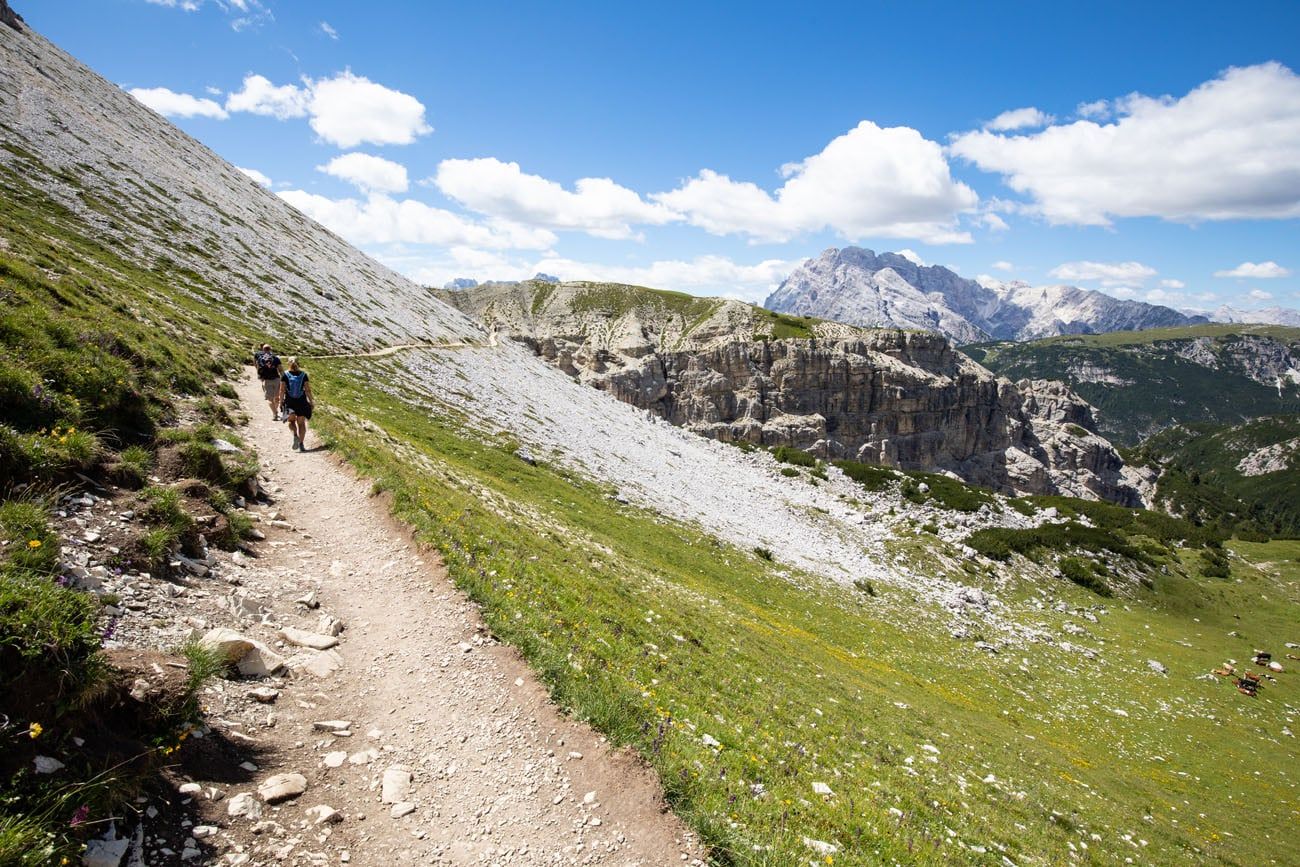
[432, 743]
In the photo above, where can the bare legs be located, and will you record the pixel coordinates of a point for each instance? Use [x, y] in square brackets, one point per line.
[298, 427]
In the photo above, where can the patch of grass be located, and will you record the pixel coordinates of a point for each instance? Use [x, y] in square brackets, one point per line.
[24, 842]
[134, 464]
[792, 455]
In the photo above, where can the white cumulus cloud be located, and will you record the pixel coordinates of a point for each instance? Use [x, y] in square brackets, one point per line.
[1020, 118]
[172, 104]
[371, 174]
[1172, 284]
[1261, 295]
[381, 219]
[1228, 149]
[869, 182]
[1255, 271]
[1004, 265]
[597, 206]
[1109, 273]
[348, 110]
[1097, 110]
[259, 96]
[258, 177]
[912, 256]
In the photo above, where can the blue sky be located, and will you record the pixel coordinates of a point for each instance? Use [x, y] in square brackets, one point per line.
[1150, 150]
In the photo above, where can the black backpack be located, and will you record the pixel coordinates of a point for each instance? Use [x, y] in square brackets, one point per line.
[266, 365]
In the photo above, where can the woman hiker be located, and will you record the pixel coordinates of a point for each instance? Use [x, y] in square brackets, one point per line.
[295, 397]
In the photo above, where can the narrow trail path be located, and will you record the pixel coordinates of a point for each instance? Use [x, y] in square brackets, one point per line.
[498, 775]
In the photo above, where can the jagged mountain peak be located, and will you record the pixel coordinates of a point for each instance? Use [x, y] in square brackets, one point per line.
[858, 286]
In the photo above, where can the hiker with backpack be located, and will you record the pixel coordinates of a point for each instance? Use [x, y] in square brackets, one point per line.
[295, 397]
[268, 373]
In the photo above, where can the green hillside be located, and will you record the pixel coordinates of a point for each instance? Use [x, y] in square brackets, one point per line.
[1142, 382]
[1243, 476]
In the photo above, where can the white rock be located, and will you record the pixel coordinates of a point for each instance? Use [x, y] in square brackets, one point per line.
[364, 757]
[821, 847]
[198, 832]
[107, 850]
[264, 694]
[252, 657]
[333, 726]
[282, 787]
[329, 625]
[245, 805]
[322, 814]
[47, 764]
[396, 785]
[821, 789]
[335, 759]
[320, 664]
[303, 638]
[189, 788]
[1156, 666]
[709, 741]
[402, 808]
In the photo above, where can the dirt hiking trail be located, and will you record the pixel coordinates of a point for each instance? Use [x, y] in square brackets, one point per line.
[452, 752]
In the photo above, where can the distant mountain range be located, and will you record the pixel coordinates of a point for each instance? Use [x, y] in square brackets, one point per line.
[1263, 316]
[856, 286]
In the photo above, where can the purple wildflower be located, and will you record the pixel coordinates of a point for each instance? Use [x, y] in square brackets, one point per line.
[108, 630]
[80, 816]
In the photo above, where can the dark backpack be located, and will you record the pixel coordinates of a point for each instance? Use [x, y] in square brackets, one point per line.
[295, 384]
[266, 365]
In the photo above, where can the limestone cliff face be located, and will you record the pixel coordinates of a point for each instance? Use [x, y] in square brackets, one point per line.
[903, 399]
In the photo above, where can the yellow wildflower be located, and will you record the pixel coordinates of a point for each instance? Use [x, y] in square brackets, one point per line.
[34, 730]
[35, 543]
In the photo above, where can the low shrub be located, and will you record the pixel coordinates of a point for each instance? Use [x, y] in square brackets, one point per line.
[792, 455]
[869, 476]
[999, 543]
[1083, 573]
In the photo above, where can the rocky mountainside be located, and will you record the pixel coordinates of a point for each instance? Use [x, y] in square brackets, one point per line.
[739, 373]
[1263, 316]
[1142, 382]
[163, 198]
[857, 286]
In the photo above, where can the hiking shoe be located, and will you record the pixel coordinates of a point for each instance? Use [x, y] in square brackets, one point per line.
[296, 443]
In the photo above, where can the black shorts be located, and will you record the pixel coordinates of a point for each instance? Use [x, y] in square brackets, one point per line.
[298, 406]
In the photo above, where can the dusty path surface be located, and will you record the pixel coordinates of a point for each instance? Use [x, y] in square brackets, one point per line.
[496, 774]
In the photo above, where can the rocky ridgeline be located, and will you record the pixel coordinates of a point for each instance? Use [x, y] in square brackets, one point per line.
[891, 291]
[902, 399]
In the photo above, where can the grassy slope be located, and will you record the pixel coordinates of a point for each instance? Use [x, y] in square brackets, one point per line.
[659, 635]
[94, 349]
[1164, 388]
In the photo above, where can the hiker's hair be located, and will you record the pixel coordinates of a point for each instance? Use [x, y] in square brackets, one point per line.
[293, 363]
[266, 347]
